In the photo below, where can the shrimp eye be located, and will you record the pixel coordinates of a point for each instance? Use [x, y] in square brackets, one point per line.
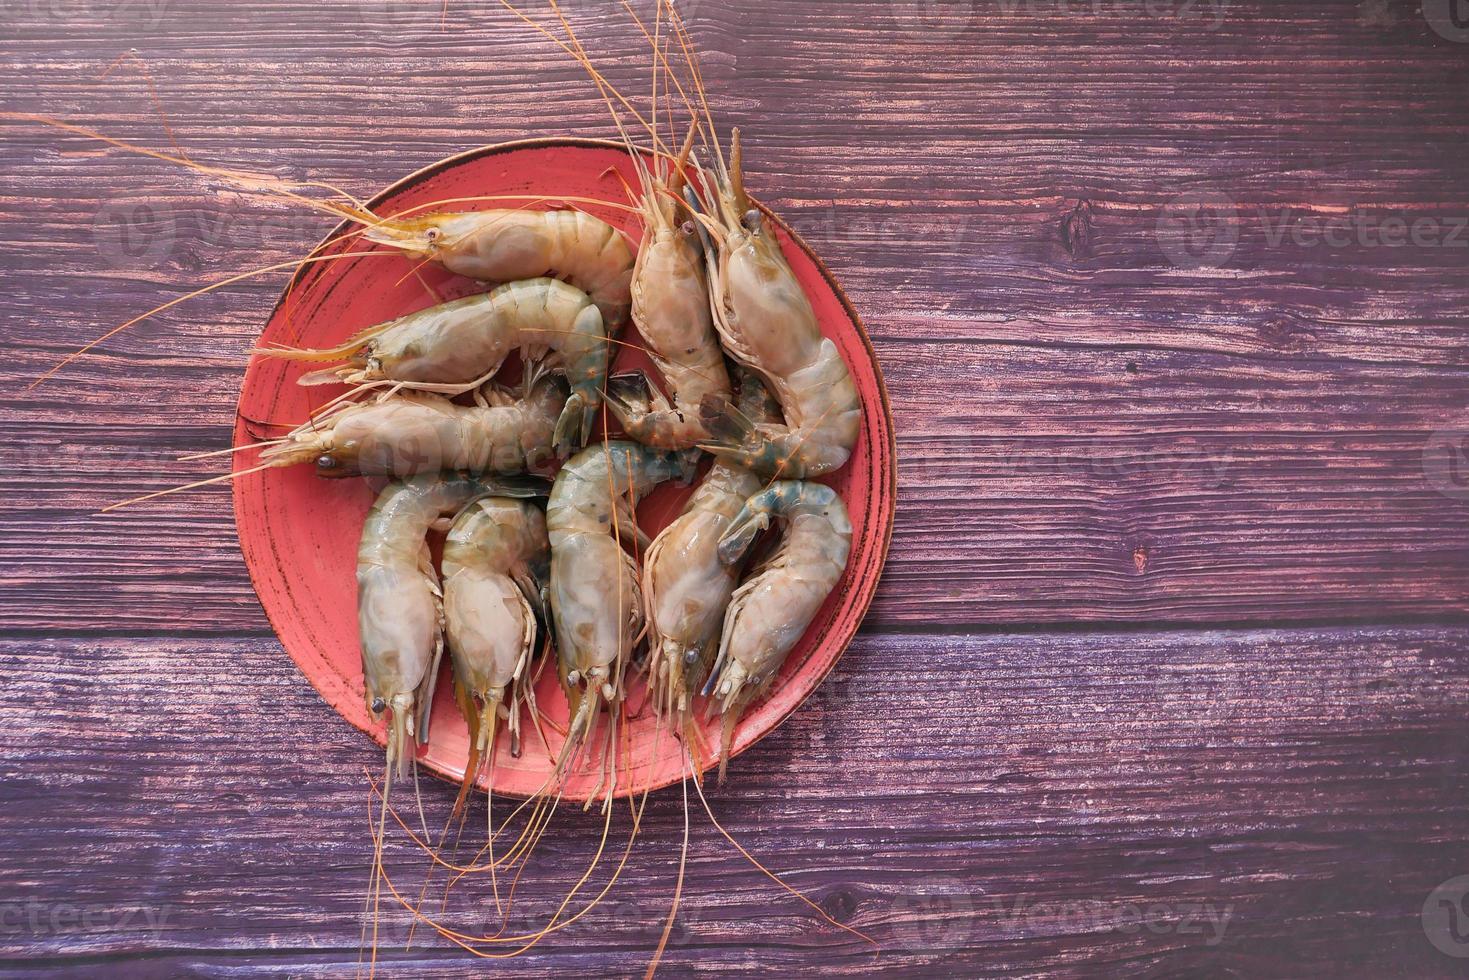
[379, 706]
[691, 657]
[687, 229]
[432, 235]
[326, 463]
[751, 220]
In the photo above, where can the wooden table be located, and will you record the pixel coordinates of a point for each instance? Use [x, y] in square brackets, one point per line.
[1168, 671]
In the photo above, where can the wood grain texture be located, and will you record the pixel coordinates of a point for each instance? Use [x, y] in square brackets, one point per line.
[1154, 369]
[1067, 394]
[1023, 797]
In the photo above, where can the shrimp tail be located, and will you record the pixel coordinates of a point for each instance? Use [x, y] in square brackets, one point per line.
[746, 527]
[574, 427]
[628, 395]
[725, 422]
[642, 411]
[734, 435]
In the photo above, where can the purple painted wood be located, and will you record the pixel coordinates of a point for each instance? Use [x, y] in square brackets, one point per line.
[1023, 800]
[1161, 360]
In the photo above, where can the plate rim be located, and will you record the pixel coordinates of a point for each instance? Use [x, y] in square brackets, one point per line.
[888, 513]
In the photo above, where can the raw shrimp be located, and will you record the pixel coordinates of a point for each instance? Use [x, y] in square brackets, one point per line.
[595, 600]
[766, 323]
[398, 599]
[670, 306]
[686, 586]
[508, 245]
[496, 562]
[456, 345]
[772, 608]
[415, 432]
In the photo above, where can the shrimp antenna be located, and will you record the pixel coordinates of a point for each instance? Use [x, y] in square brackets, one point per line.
[603, 86]
[653, 75]
[223, 477]
[683, 857]
[529, 940]
[691, 61]
[428, 875]
[660, 57]
[538, 798]
[234, 449]
[466, 941]
[490, 822]
[374, 889]
[261, 183]
[529, 199]
[142, 67]
[772, 875]
[583, 62]
[230, 280]
[660, 60]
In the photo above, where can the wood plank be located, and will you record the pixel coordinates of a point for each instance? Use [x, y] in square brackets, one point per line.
[1091, 431]
[1027, 798]
[1162, 512]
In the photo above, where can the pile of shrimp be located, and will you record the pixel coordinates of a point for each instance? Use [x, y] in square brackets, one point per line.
[543, 561]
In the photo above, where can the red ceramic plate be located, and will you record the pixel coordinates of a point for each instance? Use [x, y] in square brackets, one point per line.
[299, 533]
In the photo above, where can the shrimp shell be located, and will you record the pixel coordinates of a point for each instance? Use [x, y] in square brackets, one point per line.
[595, 600]
[399, 614]
[495, 559]
[686, 586]
[508, 245]
[766, 322]
[415, 432]
[771, 609]
[670, 305]
[457, 345]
